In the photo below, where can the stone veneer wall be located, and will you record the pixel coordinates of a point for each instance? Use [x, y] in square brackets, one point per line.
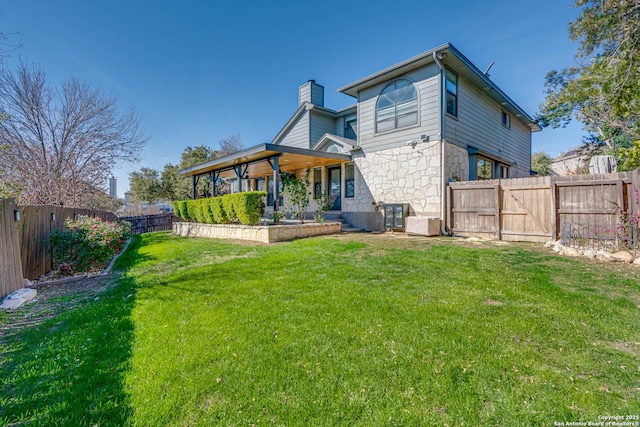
[259, 233]
[457, 163]
[398, 175]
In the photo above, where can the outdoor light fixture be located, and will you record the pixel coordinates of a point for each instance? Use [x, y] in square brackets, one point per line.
[53, 216]
[16, 215]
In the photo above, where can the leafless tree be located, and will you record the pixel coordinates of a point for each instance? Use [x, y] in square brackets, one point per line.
[60, 143]
[230, 145]
[8, 43]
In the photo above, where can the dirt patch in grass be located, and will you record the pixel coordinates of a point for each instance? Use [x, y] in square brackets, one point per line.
[632, 348]
[391, 240]
[54, 299]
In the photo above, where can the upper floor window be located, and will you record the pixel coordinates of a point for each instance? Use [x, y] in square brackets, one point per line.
[506, 120]
[350, 123]
[452, 93]
[397, 106]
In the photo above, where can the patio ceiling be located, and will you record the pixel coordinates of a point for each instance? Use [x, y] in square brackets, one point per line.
[257, 161]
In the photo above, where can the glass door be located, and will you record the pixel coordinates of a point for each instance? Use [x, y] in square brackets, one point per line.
[335, 187]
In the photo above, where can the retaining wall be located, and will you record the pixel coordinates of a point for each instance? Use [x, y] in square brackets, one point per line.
[258, 233]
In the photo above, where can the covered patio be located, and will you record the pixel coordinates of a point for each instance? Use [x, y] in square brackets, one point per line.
[253, 165]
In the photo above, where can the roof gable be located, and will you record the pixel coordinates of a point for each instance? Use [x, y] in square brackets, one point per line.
[450, 57]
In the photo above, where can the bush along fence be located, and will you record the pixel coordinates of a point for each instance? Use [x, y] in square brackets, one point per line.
[25, 250]
[87, 243]
[37, 223]
[246, 208]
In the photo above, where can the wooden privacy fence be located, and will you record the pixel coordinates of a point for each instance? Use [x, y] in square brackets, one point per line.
[10, 263]
[534, 209]
[36, 224]
[150, 223]
[24, 239]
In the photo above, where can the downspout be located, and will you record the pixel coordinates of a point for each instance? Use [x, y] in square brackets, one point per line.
[443, 144]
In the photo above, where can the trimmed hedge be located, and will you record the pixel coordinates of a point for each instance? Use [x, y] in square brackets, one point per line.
[177, 208]
[247, 208]
[228, 206]
[217, 209]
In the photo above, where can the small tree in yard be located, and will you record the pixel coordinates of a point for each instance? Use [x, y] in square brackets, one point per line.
[296, 190]
[325, 203]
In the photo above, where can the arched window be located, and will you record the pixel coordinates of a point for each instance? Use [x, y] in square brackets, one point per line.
[332, 148]
[397, 106]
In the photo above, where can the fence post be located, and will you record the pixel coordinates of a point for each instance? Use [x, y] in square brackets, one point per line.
[622, 201]
[498, 213]
[449, 214]
[554, 211]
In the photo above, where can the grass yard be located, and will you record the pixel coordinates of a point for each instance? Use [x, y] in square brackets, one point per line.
[349, 330]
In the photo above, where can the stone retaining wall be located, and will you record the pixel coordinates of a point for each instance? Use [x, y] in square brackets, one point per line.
[258, 233]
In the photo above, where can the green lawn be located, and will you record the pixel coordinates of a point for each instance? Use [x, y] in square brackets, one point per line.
[356, 330]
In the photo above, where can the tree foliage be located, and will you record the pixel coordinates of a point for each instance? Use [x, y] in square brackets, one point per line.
[296, 192]
[190, 157]
[61, 142]
[149, 184]
[145, 185]
[603, 89]
[630, 157]
[541, 163]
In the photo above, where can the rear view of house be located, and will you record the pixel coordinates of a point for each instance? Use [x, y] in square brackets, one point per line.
[414, 127]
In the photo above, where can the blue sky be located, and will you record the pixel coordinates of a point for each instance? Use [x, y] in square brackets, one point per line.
[199, 71]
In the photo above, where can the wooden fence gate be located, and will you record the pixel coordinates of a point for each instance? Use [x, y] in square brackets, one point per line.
[534, 209]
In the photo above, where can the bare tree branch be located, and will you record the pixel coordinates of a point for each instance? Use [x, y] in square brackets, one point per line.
[61, 144]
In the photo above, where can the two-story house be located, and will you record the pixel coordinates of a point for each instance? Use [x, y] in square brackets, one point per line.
[415, 126]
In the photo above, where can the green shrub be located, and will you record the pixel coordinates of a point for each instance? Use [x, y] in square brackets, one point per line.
[185, 210]
[249, 207]
[202, 211]
[176, 209]
[208, 213]
[189, 210]
[88, 243]
[192, 210]
[179, 208]
[227, 205]
[217, 210]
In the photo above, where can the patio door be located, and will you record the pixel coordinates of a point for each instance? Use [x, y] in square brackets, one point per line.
[335, 187]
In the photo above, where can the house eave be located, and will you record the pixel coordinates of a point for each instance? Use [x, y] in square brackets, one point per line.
[292, 158]
[400, 68]
[469, 70]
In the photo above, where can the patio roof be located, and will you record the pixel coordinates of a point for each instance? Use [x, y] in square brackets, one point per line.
[257, 161]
